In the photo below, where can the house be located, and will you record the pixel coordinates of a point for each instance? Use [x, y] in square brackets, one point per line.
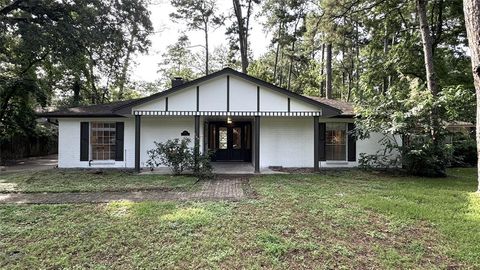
[238, 117]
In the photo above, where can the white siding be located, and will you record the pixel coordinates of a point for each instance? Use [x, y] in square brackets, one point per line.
[300, 106]
[183, 100]
[213, 95]
[286, 142]
[154, 105]
[243, 95]
[161, 129]
[152, 129]
[69, 144]
[272, 101]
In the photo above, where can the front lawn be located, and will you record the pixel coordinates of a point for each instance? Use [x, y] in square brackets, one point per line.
[87, 180]
[350, 220]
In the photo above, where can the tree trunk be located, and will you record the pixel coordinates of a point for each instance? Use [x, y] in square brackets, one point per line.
[328, 67]
[206, 49]
[471, 9]
[242, 32]
[429, 68]
[76, 92]
[385, 53]
[322, 64]
[276, 63]
[123, 78]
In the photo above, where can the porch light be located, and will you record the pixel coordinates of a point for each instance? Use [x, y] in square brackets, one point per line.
[229, 120]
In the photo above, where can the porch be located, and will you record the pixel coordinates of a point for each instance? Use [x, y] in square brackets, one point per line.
[234, 138]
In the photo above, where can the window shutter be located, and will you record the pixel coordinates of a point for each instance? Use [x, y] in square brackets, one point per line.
[84, 141]
[119, 131]
[321, 141]
[352, 143]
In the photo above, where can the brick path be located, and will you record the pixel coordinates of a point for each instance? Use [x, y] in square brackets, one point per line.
[228, 188]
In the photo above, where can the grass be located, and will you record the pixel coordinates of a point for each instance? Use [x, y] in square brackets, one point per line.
[341, 220]
[88, 181]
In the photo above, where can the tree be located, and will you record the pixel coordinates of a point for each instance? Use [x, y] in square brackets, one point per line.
[429, 66]
[242, 27]
[50, 47]
[199, 15]
[472, 22]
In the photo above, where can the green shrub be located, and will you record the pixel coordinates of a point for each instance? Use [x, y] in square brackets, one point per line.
[464, 151]
[178, 156]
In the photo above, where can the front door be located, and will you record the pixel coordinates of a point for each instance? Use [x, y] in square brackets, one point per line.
[230, 142]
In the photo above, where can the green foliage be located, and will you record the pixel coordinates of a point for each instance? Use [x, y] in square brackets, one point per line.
[422, 157]
[50, 47]
[464, 151]
[179, 156]
[174, 154]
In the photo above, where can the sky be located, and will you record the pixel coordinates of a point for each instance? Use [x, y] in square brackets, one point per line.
[167, 32]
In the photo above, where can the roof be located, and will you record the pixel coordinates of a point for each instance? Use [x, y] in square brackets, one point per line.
[122, 108]
[344, 106]
[99, 110]
[126, 108]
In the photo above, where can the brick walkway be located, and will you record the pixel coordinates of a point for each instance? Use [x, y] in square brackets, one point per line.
[224, 189]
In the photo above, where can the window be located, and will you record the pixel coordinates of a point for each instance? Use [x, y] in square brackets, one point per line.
[336, 141]
[102, 141]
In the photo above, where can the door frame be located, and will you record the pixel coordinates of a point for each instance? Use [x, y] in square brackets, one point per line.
[246, 144]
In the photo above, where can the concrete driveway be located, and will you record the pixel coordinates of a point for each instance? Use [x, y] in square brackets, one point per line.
[33, 164]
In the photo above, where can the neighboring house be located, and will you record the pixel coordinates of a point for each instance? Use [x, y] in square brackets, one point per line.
[238, 117]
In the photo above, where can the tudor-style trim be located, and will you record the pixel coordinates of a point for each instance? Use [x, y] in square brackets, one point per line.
[198, 98]
[166, 104]
[196, 138]
[137, 142]
[316, 140]
[258, 98]
[228, 93]
[80, 115]
[230, 72]
[220, 113]
[257, 144]
[288, 104]
[84, 140]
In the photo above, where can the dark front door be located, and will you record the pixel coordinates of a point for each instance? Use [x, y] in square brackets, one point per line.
[230, 142]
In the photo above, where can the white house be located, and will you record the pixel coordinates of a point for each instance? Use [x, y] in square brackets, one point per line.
[238, 117]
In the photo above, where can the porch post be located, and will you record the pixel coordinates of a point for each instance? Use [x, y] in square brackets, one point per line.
[257, 144]
[316, 134]
[137, 143]
[196, 149]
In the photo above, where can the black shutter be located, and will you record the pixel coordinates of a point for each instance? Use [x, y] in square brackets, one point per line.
[321, 141]
[119, 131]
[352, 143]
[84, 140]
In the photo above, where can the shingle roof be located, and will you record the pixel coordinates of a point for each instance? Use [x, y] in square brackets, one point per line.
[121, 108]
[346, 107]
[98, 110]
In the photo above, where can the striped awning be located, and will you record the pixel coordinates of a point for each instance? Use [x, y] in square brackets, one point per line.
[224, 113]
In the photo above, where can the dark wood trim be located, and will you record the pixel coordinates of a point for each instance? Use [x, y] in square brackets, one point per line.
[321, 141]
[316, 140]
[288, 105]
[198, 98]
[352, 142]
[257, 144]
[228, 93]
[84, 140]
[119, 141]
[196, 138]
[137, 142]
[258, 98]
[330, 111]
[166, 104]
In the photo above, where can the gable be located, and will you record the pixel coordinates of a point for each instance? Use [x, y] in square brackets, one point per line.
[228, 91]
